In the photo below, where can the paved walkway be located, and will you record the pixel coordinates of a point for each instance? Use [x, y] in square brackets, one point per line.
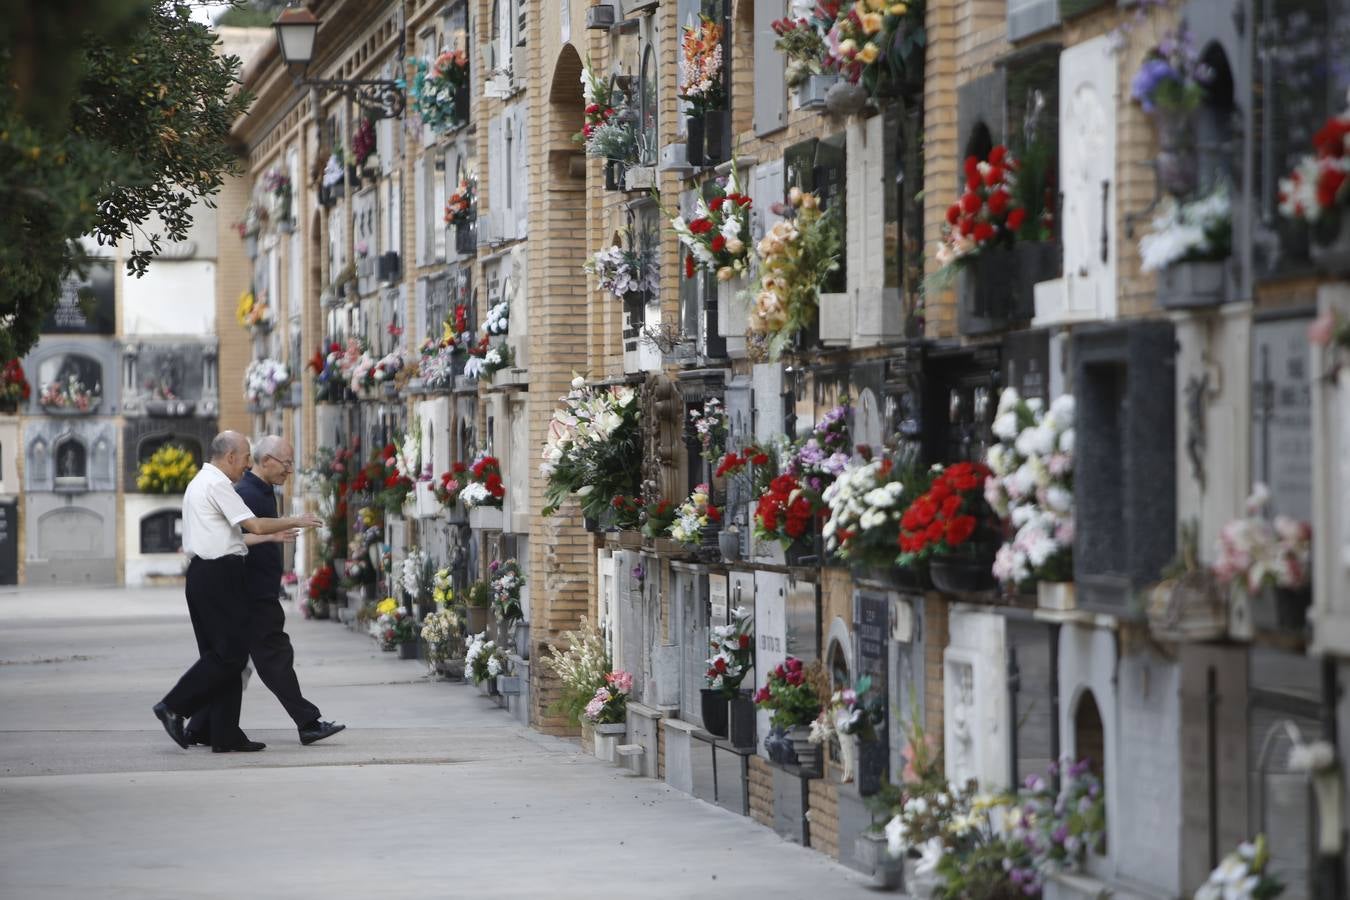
[431, 791]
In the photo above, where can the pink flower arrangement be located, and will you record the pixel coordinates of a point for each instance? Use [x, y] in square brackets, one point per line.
[610, 703]
[1264, 552]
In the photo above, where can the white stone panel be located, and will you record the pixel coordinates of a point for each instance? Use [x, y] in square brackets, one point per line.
[171, 298]
[975, 700]
[142, 567]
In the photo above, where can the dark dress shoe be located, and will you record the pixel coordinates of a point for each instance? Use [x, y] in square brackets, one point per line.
[245, 747]
[194, 739]
[317, 731]
[173, 723]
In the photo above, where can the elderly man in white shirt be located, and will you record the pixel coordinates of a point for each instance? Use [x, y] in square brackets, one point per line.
[214, 519]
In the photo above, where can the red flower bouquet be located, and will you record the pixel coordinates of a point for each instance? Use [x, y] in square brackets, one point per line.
[1318, 189]
[987, 211]
[485, 487]
[786, 511]
[945, 518]
[14, 387]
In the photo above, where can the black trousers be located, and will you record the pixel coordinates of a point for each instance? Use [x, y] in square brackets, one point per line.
[220, 619]
[273, 660]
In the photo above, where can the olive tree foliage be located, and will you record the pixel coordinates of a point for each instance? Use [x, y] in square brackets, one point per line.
[114, 114]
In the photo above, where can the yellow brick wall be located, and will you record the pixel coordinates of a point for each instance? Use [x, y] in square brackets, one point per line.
[761, 791]
[234, 273]
[824, 816]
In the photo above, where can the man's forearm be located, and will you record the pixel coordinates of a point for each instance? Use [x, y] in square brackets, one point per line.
[261, 526]
[252, 539]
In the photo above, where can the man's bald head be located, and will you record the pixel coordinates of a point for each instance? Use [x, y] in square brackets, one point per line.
[229, 453]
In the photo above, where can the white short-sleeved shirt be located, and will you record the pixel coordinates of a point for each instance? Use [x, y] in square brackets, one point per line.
[212, 512]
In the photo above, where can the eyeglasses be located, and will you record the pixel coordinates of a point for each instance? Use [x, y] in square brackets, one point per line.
[286, 464]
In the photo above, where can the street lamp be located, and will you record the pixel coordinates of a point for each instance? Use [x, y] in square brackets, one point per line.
[297, 29]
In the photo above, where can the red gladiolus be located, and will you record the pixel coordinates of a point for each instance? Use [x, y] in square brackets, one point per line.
[972, 167]
[970, 203]
[689, 265]
[1329, 185]
[744, 641]
[1016, 218]
[719, 243]
[997, 155]
[983, 232]
[953, 213]
[950, 507]
[759, 459]
[993, 175]
[716, 203]
[700, 226]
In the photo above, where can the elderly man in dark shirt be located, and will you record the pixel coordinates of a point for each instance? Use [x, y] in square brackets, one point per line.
[269, 645]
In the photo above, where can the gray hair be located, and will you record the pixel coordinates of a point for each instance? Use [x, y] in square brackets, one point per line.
[266, 446]
[227, 442]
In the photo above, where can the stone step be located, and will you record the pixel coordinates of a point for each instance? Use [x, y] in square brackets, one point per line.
[629, 750]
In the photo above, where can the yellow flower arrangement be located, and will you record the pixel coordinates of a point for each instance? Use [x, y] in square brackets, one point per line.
[386, 606]
[167, 471]
[795, 256]
[251, 311]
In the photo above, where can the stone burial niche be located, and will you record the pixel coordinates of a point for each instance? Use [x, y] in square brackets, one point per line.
[70, 483]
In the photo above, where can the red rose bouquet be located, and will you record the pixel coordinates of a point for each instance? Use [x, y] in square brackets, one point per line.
[946, 517]
[987, 211]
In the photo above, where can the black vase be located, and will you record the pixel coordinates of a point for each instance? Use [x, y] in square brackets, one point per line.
[873, 762]
[962, 574]
[694, 146]
[741, 718]
[714, 709]
[613, 175]
[716, 137]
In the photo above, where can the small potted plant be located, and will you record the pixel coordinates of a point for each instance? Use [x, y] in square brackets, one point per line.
[167, 471]
[484, 661]
[1266, 563]
[607, 713]
[1188, 247]
[790, 694]
[485, 493]
[725, 708]
[440, 633]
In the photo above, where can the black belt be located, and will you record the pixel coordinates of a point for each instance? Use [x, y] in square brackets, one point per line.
[232, 559]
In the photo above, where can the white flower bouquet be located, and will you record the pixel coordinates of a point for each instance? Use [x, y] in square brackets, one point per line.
[1032, 488]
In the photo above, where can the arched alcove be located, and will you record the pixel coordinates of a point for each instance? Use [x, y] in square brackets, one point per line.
[71, 459]
[980, 141]
[1217, 119]
[1089, 739]
[162, 531]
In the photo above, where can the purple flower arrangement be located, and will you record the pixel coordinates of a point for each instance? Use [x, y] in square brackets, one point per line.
[1172, 77]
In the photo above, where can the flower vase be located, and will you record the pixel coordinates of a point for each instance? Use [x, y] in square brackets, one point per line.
[1333, 257]
[1056, 595]
[741, 720]
[729, 542]
[319, 610]
[716, 136]
[407, 649]
[477, 619]
[613, 175]
[808, 754]
[1177, 162]
[694, 148]
[714, 712]
[520, 639]
[845, 98]
[962, 574]
[1281, 609]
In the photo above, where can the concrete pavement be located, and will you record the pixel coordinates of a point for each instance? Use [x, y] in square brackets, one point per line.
[431, 791]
